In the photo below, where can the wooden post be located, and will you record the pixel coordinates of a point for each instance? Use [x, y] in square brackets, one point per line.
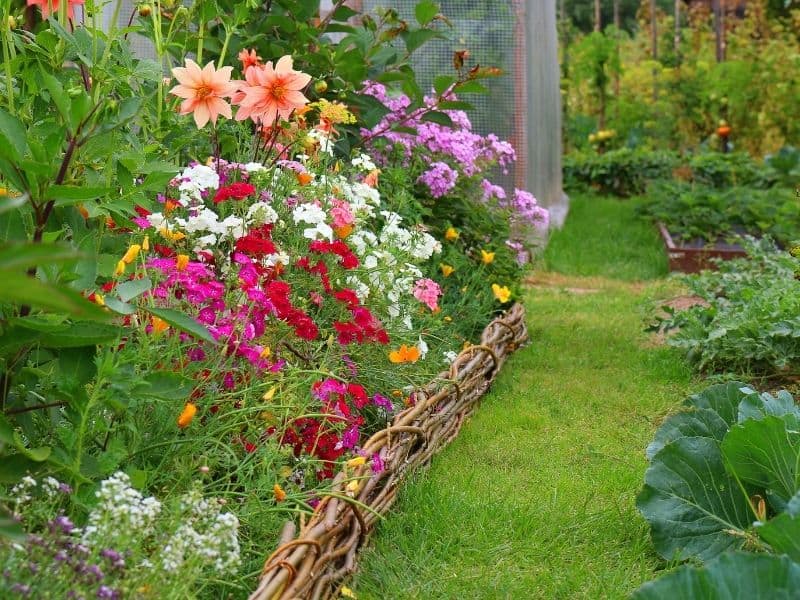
[676, 39]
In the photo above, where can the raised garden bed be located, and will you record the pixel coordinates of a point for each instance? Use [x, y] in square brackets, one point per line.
[315, 562]
[688, 257]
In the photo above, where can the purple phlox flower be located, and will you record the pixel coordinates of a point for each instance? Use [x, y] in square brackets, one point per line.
[440, 178]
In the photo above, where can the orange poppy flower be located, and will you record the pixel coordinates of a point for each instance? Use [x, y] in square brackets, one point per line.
[187, 414]
[404, 354]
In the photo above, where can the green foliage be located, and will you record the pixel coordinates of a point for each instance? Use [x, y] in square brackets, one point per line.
[733, 576]
[622, 172]
[678, 99]
[730, 486]
[785, 165]
[749, 323]
[723, 170]
[699, 213]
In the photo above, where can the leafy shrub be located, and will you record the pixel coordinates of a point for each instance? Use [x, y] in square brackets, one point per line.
[751, 323]
[723, 170]
[622, 172]
[785, 166]
[707, 214]
[723, 477]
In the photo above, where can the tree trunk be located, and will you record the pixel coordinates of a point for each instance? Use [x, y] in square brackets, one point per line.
[654, 50]
[618, 27]
[676, 40]
[597, 23]
[718, 29]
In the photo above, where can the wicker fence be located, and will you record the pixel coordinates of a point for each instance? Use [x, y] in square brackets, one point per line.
[314, 563]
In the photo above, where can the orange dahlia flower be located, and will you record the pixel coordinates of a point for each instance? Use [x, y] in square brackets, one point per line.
[47, 5]
[203, 91]
[270, 93]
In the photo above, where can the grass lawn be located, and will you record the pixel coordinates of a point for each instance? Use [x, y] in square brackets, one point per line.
[535, 498]
[604, 237]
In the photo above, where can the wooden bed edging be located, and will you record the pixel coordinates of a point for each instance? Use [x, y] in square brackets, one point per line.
[315, 563]
[685, 259]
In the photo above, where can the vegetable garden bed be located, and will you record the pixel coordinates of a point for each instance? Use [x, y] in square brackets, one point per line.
[692, 258]
[315, 562]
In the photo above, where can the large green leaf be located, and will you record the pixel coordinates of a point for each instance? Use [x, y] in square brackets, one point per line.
[783, 534]
[10, 528]
[702, 422]
[766, 453]
[757, 406]
[21, 256]
[693, 506]
[20, 289]
[182, 322]
[723, 398]
[733, 576]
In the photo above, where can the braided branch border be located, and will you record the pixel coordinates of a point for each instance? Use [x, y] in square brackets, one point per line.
[314, 564]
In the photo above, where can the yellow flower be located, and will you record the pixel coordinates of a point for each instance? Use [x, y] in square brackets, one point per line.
[346, 592]
[280, 494]
[131, 254]
[120, 268]
[353, 486]
[285, 471]
[266, 352]
[502, 293]
[447, 270]
[146, 243]
[356, 462]
[172, 236]
[334, 112]
[451, 234]
[487, 257]
[181, 262]
[99, 299]
[448, 318]
[187, 414]
[269, 394]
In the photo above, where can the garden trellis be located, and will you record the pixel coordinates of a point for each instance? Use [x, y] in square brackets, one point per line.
[524, 103]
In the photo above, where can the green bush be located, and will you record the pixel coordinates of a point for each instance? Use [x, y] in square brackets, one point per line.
[721, 170]
[750, 322]
[703, 213]
[622, 172]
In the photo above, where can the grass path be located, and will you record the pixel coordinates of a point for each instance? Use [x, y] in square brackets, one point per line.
[535, 498]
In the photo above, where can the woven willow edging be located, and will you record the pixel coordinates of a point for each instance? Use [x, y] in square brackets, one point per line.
[315, 563]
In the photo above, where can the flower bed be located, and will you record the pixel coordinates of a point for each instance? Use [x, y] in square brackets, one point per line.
[193, 349]
[315, 563]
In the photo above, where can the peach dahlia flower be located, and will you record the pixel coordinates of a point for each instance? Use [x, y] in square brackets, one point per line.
[270, 93]
[46, 5]
[203, 91]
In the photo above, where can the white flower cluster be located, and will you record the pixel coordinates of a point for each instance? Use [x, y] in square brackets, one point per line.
[205, 535]
[207, 222]
[363, 162]
[363, 199]
[385, 270]
[418, 244]
[121, 511]
[312, 214]
[195, 180]
[21, 491]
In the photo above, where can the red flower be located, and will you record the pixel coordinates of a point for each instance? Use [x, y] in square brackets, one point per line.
[257, 242]
[237, 191]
